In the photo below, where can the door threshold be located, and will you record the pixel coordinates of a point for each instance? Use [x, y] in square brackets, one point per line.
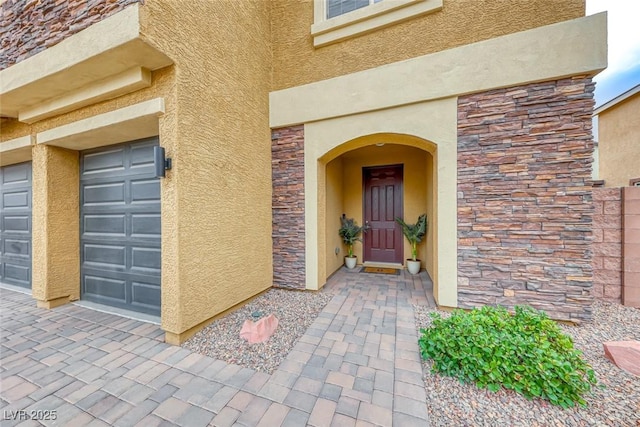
[129, 314]
[382, 264]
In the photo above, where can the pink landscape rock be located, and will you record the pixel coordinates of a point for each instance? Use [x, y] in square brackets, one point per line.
[260, 331]
[624, 354]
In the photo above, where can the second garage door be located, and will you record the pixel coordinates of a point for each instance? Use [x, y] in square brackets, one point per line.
[15, 224]
[120, 227]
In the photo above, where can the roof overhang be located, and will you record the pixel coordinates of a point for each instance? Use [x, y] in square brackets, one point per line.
[103, 61]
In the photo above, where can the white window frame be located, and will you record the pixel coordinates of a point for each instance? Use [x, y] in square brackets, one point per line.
[366, 19]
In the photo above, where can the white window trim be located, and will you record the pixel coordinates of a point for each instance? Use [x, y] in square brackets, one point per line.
[366, 19]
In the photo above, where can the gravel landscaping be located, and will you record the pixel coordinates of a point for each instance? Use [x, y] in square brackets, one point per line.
[616, 404]
[295, 311]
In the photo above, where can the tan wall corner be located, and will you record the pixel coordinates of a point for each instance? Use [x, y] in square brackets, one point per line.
[52, 303]
[56, 228]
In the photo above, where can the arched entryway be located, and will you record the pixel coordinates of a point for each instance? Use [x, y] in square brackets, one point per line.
[398, 171]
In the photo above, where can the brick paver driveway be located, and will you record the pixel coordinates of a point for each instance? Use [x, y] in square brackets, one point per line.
[358, 364]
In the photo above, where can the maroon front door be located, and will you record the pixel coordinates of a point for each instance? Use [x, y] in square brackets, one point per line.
[382, 204]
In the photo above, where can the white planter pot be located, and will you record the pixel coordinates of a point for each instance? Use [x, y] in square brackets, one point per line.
[413, 266]
[350, 262]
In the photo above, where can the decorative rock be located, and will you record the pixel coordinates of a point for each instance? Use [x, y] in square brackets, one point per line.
[260, 331]
[624, 354]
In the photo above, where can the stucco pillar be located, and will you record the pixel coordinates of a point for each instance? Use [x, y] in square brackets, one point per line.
[56, 229]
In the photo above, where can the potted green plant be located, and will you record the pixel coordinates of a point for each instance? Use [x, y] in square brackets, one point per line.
[350, 233]
[414, 234]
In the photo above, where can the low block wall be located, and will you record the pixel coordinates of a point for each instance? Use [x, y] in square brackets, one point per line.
[631, 246]
[607, 244]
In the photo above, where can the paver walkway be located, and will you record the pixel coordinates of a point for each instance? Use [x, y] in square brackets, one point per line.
[358, 364]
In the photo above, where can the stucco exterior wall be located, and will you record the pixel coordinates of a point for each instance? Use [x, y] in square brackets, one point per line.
[222, 157]
[458, 23]
[56, 227]
[216, 202]
[335, 207]
[619, 142]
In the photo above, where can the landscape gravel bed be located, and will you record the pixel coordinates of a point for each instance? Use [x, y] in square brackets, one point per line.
[616, 404]
[295, 311]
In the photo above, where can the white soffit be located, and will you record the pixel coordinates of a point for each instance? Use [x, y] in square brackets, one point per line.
[80, 65]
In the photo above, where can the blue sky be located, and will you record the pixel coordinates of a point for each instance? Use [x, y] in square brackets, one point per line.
[623, 71]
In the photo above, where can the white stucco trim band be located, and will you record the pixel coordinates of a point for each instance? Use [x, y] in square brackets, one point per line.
[129, 81]
[125, 124]
[16, 150]
[574, 47]
[103, 50]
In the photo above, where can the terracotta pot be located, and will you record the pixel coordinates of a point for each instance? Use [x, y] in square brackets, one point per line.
[413, 266]
[350, 261]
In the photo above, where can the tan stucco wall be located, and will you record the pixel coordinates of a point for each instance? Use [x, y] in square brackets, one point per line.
[335, 207]
[619, 142]
[217, 199]
[459, 22]
[56, 227]
[414, 161]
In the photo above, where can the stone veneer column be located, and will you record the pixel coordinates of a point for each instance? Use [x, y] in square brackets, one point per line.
[524, 198]
[287, 166]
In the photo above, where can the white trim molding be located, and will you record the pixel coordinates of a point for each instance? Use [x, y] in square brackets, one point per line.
[16, 150]
[125, 124]
[360, 21]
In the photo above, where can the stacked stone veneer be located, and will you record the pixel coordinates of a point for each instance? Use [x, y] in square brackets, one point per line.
[31, 26]
[524, 199]
[607, 244]
[287, 159]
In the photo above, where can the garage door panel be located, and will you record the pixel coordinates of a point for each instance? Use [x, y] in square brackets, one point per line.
[104, 194]
[109, 225]
[102, 287]
[16, 247]
[111, 160]
[145, 225]
[114, 256]
[15, 224]
[18, 199]
[145, 190]
[18, 274]
[16, 174]
[146, 260]
[120, 227]
[145, 295]
[142, 157]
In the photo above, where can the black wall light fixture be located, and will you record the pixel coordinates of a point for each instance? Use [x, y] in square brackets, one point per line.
[160, 162]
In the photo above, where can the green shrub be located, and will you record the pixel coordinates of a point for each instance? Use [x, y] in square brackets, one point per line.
[526, 352]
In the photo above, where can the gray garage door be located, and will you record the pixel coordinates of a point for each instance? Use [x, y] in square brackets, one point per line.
[15, 224]
[120, 227]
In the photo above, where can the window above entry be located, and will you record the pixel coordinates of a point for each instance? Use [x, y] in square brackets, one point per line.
[336, 20]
